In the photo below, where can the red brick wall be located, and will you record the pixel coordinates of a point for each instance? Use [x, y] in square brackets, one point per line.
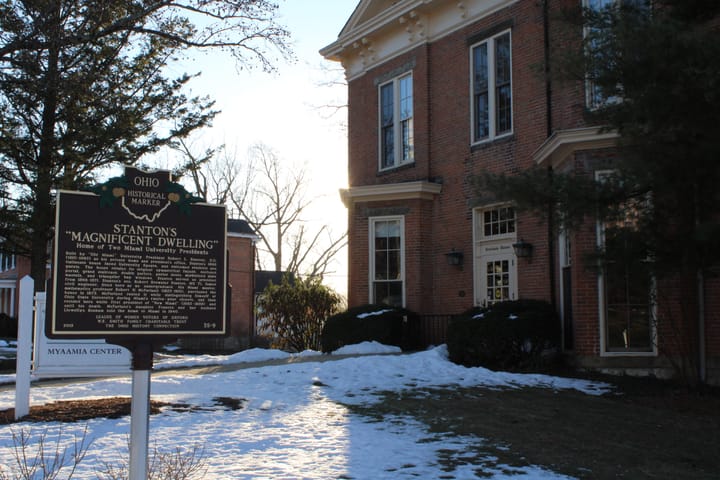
[241, 257]
[443, 153]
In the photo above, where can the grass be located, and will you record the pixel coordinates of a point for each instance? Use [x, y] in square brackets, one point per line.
[645, 430]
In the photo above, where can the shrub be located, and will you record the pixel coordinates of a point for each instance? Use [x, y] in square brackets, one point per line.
[510, 335]
[294, 312]
[381, 323]
[8, 326]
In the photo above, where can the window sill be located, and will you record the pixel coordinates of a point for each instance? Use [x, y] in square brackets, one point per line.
[629, 354]
[478, 146]
[403, 166]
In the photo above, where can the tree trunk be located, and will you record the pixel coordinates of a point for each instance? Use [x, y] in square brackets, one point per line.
[41, 219]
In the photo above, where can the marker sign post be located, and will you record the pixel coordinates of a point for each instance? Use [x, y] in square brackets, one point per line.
[138, 261]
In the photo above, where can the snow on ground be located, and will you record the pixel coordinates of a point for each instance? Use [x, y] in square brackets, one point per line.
[295, 423]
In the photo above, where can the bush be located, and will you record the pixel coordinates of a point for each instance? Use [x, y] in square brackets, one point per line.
[8, 326]
[294, 312]
[381, 323]
[511, 335]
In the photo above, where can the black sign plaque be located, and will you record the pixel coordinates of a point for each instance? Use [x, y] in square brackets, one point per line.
[138, 256]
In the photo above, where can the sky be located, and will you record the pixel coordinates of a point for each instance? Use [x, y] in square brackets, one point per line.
[284, 110]
[295, 422]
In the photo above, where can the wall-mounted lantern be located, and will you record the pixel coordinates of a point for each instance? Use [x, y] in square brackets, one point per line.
[454, 257]
[523, 249]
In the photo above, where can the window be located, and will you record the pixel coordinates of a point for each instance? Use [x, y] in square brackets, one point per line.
[491, 88]
[498, 222]
[599, 45]
[396, 122]
[595, 97]
[386, 261]
[497, 280]
[627, 282]
[495, 268]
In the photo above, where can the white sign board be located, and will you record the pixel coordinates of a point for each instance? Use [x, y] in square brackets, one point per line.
[75, 358]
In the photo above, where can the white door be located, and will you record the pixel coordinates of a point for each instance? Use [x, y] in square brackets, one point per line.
[496, 274]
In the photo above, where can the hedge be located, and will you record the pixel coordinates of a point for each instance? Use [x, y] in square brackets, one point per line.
[513, 335]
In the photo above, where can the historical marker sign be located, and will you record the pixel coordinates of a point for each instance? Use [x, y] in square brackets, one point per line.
[139, 256]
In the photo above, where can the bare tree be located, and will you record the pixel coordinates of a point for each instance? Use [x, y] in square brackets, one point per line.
[274, 201]
[214, 171]
[271, 195]
[333, 78]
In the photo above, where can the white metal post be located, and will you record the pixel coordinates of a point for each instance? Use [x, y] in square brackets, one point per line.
[140, 412]
[23, 361]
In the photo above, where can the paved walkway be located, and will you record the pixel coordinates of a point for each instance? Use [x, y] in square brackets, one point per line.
[197, 370]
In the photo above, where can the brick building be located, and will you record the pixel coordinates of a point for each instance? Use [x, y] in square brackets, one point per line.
[438, 93]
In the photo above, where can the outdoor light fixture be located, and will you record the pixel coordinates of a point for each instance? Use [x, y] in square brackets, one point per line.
[454, 257]
[523, 249]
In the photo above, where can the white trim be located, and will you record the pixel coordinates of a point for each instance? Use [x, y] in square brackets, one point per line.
[393, 191]
[562, 143]
[480, 242]
[564, 261]
[398, 151]
[602, 308]
[365, 43]
[251, 236]
[371, 254]
[492, 90]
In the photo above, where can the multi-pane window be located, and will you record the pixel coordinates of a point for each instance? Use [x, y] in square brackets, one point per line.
[396, 122]
[386, 252]
[498, 221]
[497, 280]
[491, 88]
[595, 96]
[627, 280]
[495, 268]
[600, 45]
[628, 286]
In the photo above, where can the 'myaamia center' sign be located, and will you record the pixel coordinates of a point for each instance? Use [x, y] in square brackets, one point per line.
[138, 255]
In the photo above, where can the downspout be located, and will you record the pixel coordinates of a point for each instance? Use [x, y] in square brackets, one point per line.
[548, 84]
[548, 133]
[702, 367]
[700, 282]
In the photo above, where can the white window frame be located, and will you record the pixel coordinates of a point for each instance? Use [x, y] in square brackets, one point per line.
[493, 134]
[491, 246]
[372, 221]
[594, 98]
[400, 117]
[7, 262]
[602, 299]
[480, 223]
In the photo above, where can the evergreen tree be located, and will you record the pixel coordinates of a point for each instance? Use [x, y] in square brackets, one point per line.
[655, 79]
[652, 70]
[84, 85]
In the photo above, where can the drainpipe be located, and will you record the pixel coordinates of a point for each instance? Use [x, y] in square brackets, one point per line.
[702, 371]
[548, 132]
[700, 285]
[548, 83]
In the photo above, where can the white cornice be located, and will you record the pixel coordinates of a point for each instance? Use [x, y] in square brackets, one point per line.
[562, 143]
[252, 237]
[394, 191]
[366, 43]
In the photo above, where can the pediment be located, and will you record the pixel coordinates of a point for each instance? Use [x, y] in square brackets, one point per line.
[379, 30]
[365, 12]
